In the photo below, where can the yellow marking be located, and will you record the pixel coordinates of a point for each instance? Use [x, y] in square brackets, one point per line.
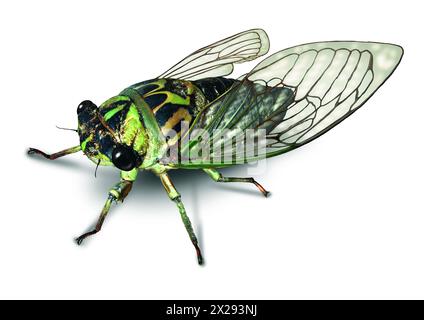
[178, 116]
[174, 139]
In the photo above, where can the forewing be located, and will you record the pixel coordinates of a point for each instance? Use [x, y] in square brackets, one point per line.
[295, 95]
[330, 80]
[217, 59]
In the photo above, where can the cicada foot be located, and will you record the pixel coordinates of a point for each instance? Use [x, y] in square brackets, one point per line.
[117, 193]
[218, 177]
[260, 187]
[199, 254]
[176, 197]
[99, 223]
[33, 151]
[81, 238]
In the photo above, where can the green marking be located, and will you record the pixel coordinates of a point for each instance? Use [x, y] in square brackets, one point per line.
[160, 83]
[176, 99]
[129, 175]
[84, 143]
[112, 100]
[112, 112]
[157, 144]
[104, 160]
[171, 98]
[133, 130]
[215, 175]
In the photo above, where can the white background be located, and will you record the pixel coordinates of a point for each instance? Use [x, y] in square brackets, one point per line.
[345, 219]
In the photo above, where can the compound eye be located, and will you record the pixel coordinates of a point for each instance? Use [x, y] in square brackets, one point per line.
[85, 105]
[124, 158]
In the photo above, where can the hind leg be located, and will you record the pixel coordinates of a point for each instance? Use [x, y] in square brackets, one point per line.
[217, 176]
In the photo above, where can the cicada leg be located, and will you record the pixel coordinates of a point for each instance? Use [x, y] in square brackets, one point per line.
[217, 176]
[176, 197]
[56, 154]
[117, 193]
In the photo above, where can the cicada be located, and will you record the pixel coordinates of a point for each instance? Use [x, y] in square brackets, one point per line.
[195, 117]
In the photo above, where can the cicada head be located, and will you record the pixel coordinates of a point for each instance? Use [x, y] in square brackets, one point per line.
[113, 133]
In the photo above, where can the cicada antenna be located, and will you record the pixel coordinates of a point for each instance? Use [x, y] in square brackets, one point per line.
[66, 129]
[97, 166]
[105, 125]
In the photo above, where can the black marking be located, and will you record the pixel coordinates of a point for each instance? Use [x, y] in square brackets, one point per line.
[177, 127]
[155, 100]
[86, 117]
[106, 143]
[212, 88]
[178, 87]
[166, 112]
[118, 118]
[105, 109]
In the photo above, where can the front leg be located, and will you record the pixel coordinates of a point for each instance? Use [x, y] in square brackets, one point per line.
[117, 193]
[176, 197]
[56, 154]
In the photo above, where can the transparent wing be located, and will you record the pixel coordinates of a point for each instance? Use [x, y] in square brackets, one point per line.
[295, 96]
[217, 60]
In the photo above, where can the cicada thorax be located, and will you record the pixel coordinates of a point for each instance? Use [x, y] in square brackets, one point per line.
[177, 102]
[174, 103]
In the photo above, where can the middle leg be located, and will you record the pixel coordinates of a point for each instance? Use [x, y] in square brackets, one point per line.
[176, 197]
